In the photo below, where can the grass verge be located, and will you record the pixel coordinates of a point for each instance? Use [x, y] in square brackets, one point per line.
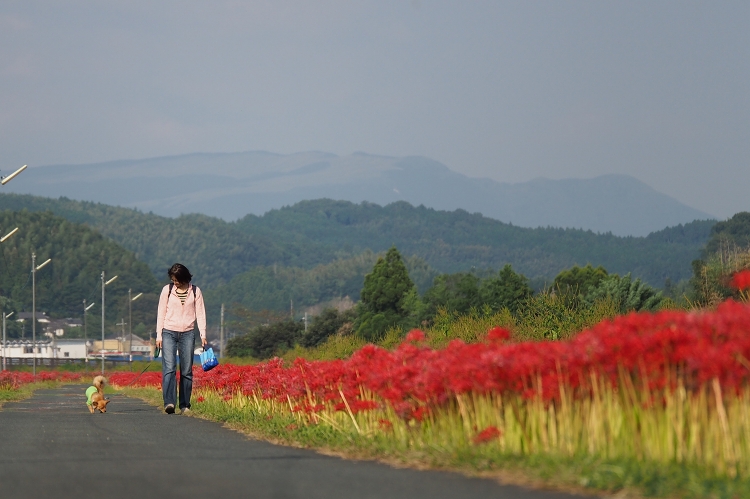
[24, 391]
[621, 478]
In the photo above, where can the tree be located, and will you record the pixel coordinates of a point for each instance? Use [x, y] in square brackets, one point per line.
[264, 342]
[384, 296]
[387, 285]
[631, 295]
[579, 280]
[727, 251]
[453, 292]
[328, 323]
[506, 290]
[710, 281]
[731, 234]
[246, 320]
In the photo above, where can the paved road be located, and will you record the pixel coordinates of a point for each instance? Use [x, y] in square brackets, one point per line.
[51, 446]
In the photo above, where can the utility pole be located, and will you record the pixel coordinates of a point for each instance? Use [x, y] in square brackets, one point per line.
[221, 333]
[102, 349]
[2, 240]
[305, 321]
[33, 311]
[85, 334]
[104, 285]
[34, 268]
[5, 350]
[130, 326]
[84, 323]
[122, 323]
[130, 318]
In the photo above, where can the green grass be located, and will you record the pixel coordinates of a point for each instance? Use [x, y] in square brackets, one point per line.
[24, 391]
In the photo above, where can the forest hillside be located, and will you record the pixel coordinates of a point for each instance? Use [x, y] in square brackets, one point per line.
[312, 233]
[78, 254]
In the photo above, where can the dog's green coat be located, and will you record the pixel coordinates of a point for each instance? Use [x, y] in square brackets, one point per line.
[89, 392]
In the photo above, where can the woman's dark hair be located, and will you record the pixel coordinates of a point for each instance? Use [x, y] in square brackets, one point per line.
[181, 273]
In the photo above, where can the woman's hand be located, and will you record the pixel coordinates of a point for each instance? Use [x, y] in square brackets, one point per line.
[204, 342]
[158, 344]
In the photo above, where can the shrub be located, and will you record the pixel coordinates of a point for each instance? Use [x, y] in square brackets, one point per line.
[328, 323]
[264, 342]
[628, 294]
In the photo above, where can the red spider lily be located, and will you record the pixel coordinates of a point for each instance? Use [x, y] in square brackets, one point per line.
[415, 336]
[414, 379]
[384, 424]
[11, 380]
[420, 413]
[122, 379]
[488, 434]
[741, 280]
[498, 334]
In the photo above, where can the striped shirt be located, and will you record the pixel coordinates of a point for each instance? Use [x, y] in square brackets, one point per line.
[182, 295]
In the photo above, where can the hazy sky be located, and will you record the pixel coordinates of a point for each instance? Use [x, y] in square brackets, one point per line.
[506, 90]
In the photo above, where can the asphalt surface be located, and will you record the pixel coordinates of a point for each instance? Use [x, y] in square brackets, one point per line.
[50, 445]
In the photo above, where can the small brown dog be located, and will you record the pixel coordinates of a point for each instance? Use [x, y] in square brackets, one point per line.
[95, 395]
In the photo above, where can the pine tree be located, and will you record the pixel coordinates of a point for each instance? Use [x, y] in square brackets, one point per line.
[385, 296]
[387, 285]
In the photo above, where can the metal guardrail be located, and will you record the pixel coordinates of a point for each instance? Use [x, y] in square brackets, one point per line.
[16, 362]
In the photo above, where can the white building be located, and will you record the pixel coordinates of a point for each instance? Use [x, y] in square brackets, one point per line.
[139, 346]
[47, 349]
[71, 348]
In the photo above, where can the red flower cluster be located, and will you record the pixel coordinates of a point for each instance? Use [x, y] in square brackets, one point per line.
[741, 280]
[498, 334]
[122, 379]
[649, 347]
[488, 434]
[13, 380]
[415, 336]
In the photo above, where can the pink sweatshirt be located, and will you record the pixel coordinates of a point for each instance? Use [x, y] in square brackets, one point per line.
[175, 316]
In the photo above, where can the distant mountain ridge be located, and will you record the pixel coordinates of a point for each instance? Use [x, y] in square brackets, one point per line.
[232, 185]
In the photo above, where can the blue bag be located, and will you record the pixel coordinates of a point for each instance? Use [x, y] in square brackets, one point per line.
[208, 359]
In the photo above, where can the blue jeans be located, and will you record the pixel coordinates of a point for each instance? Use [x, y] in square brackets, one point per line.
[173, 342]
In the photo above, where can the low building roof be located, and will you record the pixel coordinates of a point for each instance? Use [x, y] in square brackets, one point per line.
[22, 316]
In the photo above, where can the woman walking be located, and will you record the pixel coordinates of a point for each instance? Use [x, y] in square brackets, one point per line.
[180, 308]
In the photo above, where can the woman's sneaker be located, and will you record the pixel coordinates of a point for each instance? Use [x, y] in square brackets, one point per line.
[169, 408]
[186, 411]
